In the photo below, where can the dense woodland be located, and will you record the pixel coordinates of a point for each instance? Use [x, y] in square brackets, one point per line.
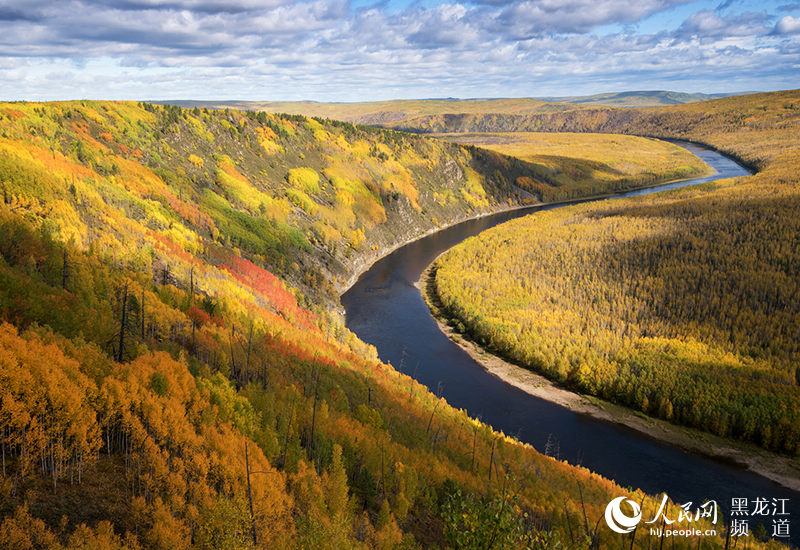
[168, 379]
[684, 305]
[300, 197]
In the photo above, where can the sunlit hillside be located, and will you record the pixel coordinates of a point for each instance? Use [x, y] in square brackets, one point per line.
[380, 113]
[306, 199]
[570, 165]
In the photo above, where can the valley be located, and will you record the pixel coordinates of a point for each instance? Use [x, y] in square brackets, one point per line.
[399, 275]
[181, 270]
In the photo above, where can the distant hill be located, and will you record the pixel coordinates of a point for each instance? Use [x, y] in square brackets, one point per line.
[653, 98]
[377, 113]
[400, 113]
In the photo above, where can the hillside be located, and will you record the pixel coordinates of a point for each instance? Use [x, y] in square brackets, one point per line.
[570, 165]
[751, 127]
[172, 377]
[681, 305]
[312, 202]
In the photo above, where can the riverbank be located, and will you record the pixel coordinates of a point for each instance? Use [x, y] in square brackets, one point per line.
[780, 469]
[363, 264]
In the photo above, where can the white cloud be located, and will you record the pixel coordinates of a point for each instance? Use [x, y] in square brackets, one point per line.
[325, 50]
[530, 17]
[788, 25]
[708, 24]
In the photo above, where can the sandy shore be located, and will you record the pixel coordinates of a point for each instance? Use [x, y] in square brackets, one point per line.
[781, 469]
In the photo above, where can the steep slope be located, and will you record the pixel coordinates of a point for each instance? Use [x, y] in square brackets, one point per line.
[312, 202]
[568, 165]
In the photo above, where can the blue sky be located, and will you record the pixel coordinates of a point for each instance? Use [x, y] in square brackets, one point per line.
[360, 50]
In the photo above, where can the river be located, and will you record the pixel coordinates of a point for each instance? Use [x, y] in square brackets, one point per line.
[385, 309]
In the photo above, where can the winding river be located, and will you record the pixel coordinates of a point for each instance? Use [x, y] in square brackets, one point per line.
[386, 309]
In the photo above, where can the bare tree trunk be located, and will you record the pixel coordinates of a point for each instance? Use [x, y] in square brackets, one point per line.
[122, 324]
[314, 416]
[474, 442]
[569, 523]
[250, 494]
[491, 457]
[288, 434]
[502, 508]
[728, 532]
[249, 348]
[428, 429]
[633, 535]
[233, 358]
[383, 479]
[583, 507]
[436, 438]
[64, 269]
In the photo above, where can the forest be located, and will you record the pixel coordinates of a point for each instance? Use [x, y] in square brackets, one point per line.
[684, 305]
[175, 376]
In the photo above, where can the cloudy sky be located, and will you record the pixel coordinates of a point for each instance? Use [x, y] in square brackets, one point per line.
[355, 50]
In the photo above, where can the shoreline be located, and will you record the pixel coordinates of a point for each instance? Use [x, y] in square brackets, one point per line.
[782, 470]
[381, 253]
[366, 263]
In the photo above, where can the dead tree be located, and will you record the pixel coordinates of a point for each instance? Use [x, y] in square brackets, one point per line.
[314, 416]
[233, 357]
[288, 434]
[491, 458]
[250, 494]
[123, 324]
[474, 443]
[249, 349]
[64, 271]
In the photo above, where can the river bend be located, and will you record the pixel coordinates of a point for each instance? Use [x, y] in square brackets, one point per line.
[385, 309]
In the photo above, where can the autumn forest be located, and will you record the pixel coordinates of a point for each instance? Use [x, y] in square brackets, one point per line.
[175, 370]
